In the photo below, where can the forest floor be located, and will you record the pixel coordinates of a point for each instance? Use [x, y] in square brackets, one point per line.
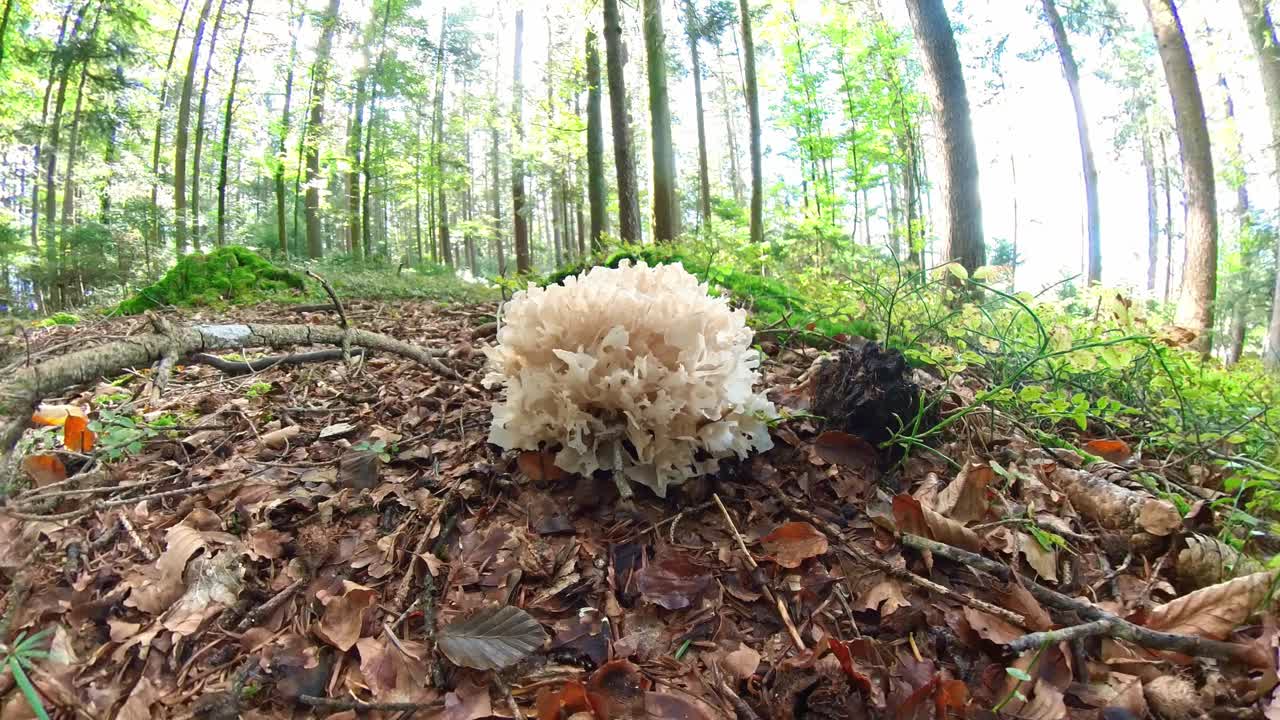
[297, 542]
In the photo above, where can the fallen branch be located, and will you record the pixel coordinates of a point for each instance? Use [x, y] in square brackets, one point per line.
[1101, 621]
[361, 706]
[901, 573]
[240, 367]
[775, 601]
[22, 393]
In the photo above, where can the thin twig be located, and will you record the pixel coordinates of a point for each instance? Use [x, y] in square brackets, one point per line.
[362, 706]
[240, 367]
[264, 610]
[774, 600]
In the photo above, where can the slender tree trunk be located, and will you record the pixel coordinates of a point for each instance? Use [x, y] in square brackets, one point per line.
[595, 146]
[666, 204]
[495, 179]
[366, 161]
[1090, 169]
[226, 128]
[183, 134]
[446, 247]
[315, 125]
[623, 156]
[1168, 218]
[56, 59]
[1153, 209]
[693, 33]
[197, 229]
[154, 239]
[1196, 301]
[282, 234]
[4, 33]
[355, 139]
[73, 151]
[520, 212]
[52, 259]
[753, 112]
[417, 185]
[1262, 34]
[735, 175]
[965, 242]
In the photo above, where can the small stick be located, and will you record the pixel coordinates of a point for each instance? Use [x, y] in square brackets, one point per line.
[511, 700]
[1052, 637]
[264, 610]
[776, 601]
[342, 317]
[240, 367]
[361, 706]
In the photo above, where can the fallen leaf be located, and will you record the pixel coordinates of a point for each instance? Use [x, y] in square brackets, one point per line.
[672, 582]
[468, 701]
[492, 639]
[966, 499]
[337, 430]
[666, 706]
[741, 663]
[344, 615]
[990, 627]
[216, 585]
[1215, 611]
[44, 469]
[565, 702]
[1044, 562]
[841, 651]
[76, 435]
[1115, 451]
[539, 465]
[793, 543]
[841, 448]
[885, 597]
[617, 690]
[277, 439]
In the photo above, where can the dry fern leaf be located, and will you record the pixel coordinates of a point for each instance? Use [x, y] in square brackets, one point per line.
[492, 639]
[1206, 561]
[1215, 611]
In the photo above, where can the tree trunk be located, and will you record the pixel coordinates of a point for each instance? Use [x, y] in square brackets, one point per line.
[154, 240]
[282, 234]
[226, 128]
[315, 125]
[520, 216]
[1153, 210]
[753, 111]
[183, 134]
[73, 151]
[692, 31]
[442, 213]
[4, 32]
[666, 204]
[1196, 301]
[1262, 33]
[623, 157]
[595, 146]
[495, 179]
[965, 242]
[54, 63]
[735, 176]
[355, 139]
[366, 160]
[1090, 170]
[197, 230]
[1168, 218]
[51, 163]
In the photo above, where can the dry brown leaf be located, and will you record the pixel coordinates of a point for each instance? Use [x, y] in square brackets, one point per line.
[540, 465]
[344, 615]
[741, 663]
[948, 531]
[216, 585]
[1206, 561]
[1215, 611]
[44, 469]
[966, 499]
[156, 588]
[1046, 704]
[1017, 598]
[990, 627]
[793, 543]
[1044, 562]
[841, 448]
[885, 597]
[1115, 451]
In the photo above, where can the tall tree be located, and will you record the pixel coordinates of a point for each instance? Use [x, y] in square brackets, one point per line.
[1262, 33]
[442, 204]
[1199, 289]
[666, 205]
[753, 113]
[520, 211]
[51, 162]
[226, 127]
[155, 146]
[315, 124]
[197, 230]
[595, 145]
[282, 138]
[1089, 168]
[624, 161]
[1153, 208]
[965, 242]
[184, 133]
[693, 31]
[4, 25]
[355, 138]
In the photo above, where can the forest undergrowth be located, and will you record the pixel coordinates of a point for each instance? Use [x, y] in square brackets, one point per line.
[1079, 514]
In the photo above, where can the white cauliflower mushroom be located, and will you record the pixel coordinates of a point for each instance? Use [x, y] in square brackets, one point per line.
[636, 370]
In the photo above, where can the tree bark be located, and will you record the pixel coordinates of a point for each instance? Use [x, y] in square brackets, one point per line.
[442, 204]
[51, 163]
[355, 140]
[1153, 210]
[282, 234]
[1088, 167]
[595, 146]
[520, 216]
[197, 230]
[155, 239]
[693, 32]
[753, 113]
[183, 134]
[495, 177]
[226, 128]
[4, 26]
[623, 156]
[44, 119]
[964, 242]
[666, 203]
[1196, 301]
[73, 150]
[1262, 33]
[319, 79]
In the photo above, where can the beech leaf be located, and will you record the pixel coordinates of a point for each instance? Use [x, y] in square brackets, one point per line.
[841, 448]
[492, 639]
[794, 542]
[1215, 611]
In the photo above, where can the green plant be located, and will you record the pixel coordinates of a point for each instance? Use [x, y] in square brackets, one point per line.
[377, 447]
[18, 660]
[258, 389]
[58, 318]
[227, 274]
[120, 435]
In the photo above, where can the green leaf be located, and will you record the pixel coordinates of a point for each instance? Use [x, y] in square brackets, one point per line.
[957, 270]
[1030, 393]
[28, 690]
[1018, 674]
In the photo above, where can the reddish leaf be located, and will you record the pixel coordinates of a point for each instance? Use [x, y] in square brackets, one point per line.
[842, 654]
[794, 542]
[665, 706]
[539, 465]
[76, 435]
[570, 699]
[908, 515]
[672, 582]
[617, 690]
[1116, 451]
[952, 694]
[44, 469]
[841, 448]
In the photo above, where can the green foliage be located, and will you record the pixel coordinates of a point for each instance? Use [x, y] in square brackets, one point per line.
[120, 435]
[226, 275]
[382, 281]
[257, 390]
[19, 660]
[58, 318]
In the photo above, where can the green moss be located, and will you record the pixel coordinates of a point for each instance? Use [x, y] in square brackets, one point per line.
[771, 302]
[228, 274]
[58, 318]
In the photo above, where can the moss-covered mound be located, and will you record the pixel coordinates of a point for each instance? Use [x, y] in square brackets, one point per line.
[228, 274]
[771, 302]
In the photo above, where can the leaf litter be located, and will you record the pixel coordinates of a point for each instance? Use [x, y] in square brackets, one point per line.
[323, 540]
